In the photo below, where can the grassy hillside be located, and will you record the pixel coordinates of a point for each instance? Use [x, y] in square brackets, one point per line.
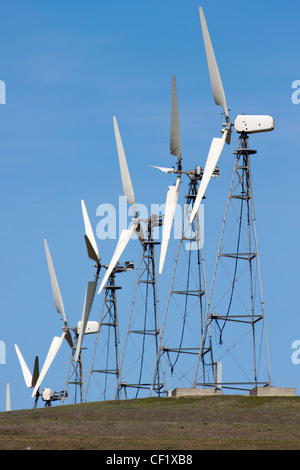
[218, 422]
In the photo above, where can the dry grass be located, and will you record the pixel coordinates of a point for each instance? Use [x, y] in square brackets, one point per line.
[227, 422]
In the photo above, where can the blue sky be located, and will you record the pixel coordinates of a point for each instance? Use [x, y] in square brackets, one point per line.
[68, 68]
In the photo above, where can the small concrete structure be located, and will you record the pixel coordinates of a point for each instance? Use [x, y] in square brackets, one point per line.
[194, 392]
[273, 392]
[269, 391]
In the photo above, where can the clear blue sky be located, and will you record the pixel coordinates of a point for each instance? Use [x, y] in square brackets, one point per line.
[68, 68]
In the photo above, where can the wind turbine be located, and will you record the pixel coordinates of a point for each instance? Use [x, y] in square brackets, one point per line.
[108, 317]
[78, 331]
[237, 251]
[146, 279]
[57, 341]
[188, 284]
[47, 394]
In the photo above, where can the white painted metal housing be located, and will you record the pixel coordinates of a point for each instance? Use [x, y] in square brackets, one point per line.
[253, 124]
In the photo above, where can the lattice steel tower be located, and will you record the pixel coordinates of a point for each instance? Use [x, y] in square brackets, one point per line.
[235, 321]
[186, 303]
[105, 365]
[143, 334]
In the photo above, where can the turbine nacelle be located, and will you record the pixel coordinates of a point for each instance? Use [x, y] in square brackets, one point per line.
[91, 327]
[48, 396]
[252, 124]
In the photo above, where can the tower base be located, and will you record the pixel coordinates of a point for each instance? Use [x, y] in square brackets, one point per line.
[273, 392]
[194, 392]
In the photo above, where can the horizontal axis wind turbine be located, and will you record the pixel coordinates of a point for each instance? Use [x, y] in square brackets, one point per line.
[58, 340]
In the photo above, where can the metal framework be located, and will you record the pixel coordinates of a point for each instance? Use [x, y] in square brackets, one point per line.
[75, 374]
[235, 323]
[143, 334]
[106, 354]
[186, 305]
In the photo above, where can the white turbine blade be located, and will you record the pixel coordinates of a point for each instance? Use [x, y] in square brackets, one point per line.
[215, 79]
[8, 406]
[211, 162]
[55, 289]
[125, 176]
[175, 141]
[88, 302]
[171, 202]
[26, 372]
[91, 242]
[53, 350]
[164, 169]
[123, 240]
